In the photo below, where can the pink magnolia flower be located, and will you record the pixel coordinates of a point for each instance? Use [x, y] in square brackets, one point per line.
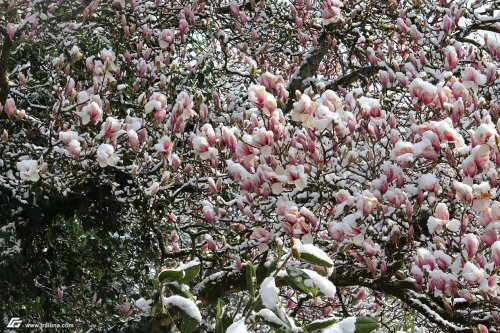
[67, 136]
[157, 101]
[424, 258]
[371, 264]
[268, 80]
[471, 273]
[331, 11]
[107, 56]
[491, 73]
[471, 245]
[74, 148]
[203, 113]
[489, 237]
[342, 196]
[473, 78]
[183, 106]
[60, 294]
[451, 57]
[442, 259]
[263, 140]
[481, 155]
[396, 197]
[463, 191]
[428, 182]
[22, 79]
[308, 216]
[125, 309]
[361, 294]
[208, 132]
[153, 189]
[209, 243]
[235, 8]
[229, 138]
[435, 225]
[442, 211]
[11, 30]
[423, 91]
[133, 138]
[485, 133]
[164, 146]
[262, 235]
[303, 110]
[202, 148]
[370, 248]
[469, 167]
[258, 96]
[10, 107]
[110, 128]
[493, 46]
[212, 185]
[296, 175]
[183, 27]
[447, 23]
[91, 113]
[166, 38]
[495, 253]
[208, 212]
[482, 328]
[367, 203]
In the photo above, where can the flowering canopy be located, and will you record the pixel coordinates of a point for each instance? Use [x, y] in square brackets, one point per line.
[319, 166]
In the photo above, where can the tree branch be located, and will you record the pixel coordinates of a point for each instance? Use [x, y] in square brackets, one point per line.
[4, 68]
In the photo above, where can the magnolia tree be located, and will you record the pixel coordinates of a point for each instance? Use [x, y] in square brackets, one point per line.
[251, 166]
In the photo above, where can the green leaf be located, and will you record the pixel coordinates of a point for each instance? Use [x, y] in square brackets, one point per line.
[271, 319]
[310, 253]
[251, 278]
[184, 307]
[180, 275]
[272, 267]
[366, 324]
[179, 290]
[170, 275]
[319, 325]
[188, 325]
[313, 259]
[190, 273]
[219, 326]
[295, 278]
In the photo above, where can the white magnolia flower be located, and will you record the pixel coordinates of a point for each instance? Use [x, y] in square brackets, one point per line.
[106, 155]
[28, 170]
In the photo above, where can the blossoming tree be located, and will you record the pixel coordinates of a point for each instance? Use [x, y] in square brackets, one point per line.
[296, 166]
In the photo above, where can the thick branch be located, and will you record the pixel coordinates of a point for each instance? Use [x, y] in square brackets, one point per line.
[307, 68]
[4, 68]
[353, 76]
[225, 283]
